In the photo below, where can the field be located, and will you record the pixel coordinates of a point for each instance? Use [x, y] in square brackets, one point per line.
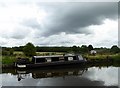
[98, 56]
[17, 53]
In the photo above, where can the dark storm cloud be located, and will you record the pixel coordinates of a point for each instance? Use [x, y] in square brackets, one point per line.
[75, 17]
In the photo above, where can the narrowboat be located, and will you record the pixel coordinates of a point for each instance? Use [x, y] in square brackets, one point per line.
[46, 61]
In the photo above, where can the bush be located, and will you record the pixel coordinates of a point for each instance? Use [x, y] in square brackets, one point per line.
[8, 59]
[29, 49]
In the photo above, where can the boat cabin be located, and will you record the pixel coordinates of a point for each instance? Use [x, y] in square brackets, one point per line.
[45, 59]
[40, 61]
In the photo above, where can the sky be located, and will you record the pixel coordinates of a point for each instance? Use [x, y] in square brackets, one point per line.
[58, 23]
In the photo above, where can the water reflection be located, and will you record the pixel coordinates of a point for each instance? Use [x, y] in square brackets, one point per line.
[109, 75]
[73, 76]
[38, 74]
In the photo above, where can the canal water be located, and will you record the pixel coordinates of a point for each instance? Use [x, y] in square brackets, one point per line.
[72, 76]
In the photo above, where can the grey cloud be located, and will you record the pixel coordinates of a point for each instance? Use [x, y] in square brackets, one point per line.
[18, 36]
[33, 23]
[75, 17]
[54, 40]
[20, 32]
[2, 43]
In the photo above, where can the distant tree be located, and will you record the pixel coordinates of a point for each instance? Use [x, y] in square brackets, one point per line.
[20, 48]
[90, 47]
[5, 51]
[11, 51]
[84, 49]
[75, 49]
[29, 49]
[115, 49]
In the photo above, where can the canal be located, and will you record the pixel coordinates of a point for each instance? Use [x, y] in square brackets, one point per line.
[65, 76]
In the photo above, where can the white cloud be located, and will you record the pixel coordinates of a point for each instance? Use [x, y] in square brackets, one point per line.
[12, 32]
[105, 34]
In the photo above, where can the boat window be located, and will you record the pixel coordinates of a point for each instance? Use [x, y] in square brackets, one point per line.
[55, 59]
[48, 59]
[70, 58]
[80, 57]
[74, 58]
[66, 58]
[40, 60]
[61, 59]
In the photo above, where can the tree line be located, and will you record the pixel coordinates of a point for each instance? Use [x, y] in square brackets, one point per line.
[29, 49]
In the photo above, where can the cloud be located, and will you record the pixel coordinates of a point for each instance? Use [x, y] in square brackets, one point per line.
[32, 23]
[103, 35]
[73, 18]
[20, 33]
[58, 24]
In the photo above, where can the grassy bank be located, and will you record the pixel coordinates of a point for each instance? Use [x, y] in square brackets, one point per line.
[99, 57]
[8, 59]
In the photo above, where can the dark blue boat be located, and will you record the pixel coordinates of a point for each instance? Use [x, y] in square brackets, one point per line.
[45, 61]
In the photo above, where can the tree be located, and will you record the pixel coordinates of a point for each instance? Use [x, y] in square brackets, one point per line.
[90, 47]
[115, 49]
[11, 51]
[84, 49]
[75, 49]
[6, 51]
[29, 49]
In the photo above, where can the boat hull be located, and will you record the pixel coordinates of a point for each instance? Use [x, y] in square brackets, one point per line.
[54, 64]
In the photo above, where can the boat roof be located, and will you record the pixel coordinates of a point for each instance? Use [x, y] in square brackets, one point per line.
[53, 56]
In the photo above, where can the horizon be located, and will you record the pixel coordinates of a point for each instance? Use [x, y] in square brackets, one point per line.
[60, 46]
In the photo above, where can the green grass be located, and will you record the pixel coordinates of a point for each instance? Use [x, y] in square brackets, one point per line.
[8, 59]
[48, 53]
[96, 57]
[114, 57]
[18, 53]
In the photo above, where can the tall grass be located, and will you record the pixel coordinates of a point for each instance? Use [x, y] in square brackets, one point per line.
[90, 57]
[116, 57]
[8, 59]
